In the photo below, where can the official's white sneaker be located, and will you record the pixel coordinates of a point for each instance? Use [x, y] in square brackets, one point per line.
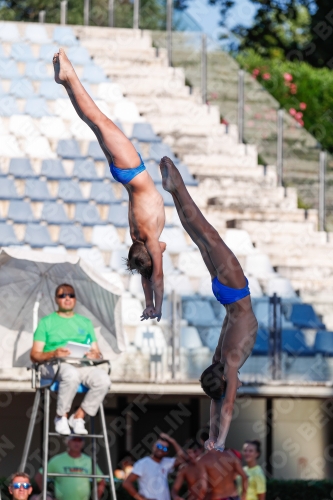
[77, 424]
[61, 426]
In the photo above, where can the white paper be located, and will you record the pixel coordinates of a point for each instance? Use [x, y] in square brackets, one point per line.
[77, 350]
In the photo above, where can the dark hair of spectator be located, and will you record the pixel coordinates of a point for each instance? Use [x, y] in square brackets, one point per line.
[63, 285]
[139, 260]
[257, 445]
[19, 474]
[212, 381]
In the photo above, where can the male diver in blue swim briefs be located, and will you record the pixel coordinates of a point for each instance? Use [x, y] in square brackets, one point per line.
[230, 287]
[146, 208]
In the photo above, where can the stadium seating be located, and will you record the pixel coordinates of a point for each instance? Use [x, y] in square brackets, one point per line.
[56, 192]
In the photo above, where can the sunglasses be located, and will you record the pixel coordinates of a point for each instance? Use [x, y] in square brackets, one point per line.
[161, 447]
[64, 295]
[17, 486]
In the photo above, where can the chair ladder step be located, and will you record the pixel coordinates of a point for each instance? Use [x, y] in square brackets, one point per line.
[97, 436]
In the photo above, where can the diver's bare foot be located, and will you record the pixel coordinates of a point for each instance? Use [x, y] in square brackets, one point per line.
[62, 67]
[171, 177]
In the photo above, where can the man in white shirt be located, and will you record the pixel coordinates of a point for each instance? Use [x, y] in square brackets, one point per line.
[152, 472]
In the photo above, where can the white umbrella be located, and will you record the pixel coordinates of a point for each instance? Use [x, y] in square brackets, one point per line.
[28, 280]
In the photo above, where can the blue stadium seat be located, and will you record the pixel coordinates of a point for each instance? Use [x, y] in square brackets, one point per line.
[210, 336]
[8, 69]
[37, 190]
[199, 313]
[37, 71]
[53, 169]
[144, 132]
[95, 151]
[8, 190]
[293, 343]
[93, 74]
[36, 33]
[47, 52]
[118, 215]
[8, 106]
[79, 55]
[54, 213]
[38, 236]
[50, 90]
[20, 211]
[70, 191]
[2, 92]
[36, 107]
[304, 316]
[9, 32]
[7, 235]
[167, 198]
[21, 88]
[69, 149]
[22, 52]
[154, 171]
[21, 168]
[102, 193]
[158, 150]
[186, 175]
[64, 35]
[262, 342]
[87, 215]
[324, 343]
[72, 237]
[85, 170]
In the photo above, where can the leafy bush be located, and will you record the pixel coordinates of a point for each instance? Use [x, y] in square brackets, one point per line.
[305, 92]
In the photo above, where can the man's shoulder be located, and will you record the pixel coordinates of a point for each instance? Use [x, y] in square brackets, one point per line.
[49, 317]
[60, 458]
[82, 319]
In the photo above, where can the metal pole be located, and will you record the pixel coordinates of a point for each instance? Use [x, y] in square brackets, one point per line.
[204, 68]
[86, 11]
[169, 30]
[30, 432]
[111, 13]
[241, 75]
[46, 438]
[279, 152]
[107, 451]
[136, 13]
[175, 333]
[63, 12]
[41, 19]
[93, 442]
[275, 336]
[322, 178]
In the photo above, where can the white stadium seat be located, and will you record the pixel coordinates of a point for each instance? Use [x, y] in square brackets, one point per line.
[9, 147]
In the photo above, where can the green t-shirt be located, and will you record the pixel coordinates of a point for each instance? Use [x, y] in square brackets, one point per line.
[71, 488]
[56, 331]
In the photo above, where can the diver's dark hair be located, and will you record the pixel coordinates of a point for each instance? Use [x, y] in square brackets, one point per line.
[257, 445]
[63, 286]
[212, 381]
[139, 260]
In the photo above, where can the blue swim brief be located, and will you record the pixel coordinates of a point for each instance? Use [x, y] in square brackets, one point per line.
[227, 295]
[124, 176]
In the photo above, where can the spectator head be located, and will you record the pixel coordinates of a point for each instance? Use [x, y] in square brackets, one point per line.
[20, 487]
[75, 443]
[194, 450]
[251, 452]
[212, 381]
[65, 297]
[139, 260]
[160, 448]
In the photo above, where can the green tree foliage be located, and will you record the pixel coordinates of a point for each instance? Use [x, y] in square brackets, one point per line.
[305, 92]
[152, 12]
[320, 51]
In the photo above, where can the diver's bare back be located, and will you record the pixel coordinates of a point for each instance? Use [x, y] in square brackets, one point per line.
[221, 470]
[146, 212]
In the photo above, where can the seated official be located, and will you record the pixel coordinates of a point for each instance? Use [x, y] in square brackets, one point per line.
[50, 340]
[20, 486]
